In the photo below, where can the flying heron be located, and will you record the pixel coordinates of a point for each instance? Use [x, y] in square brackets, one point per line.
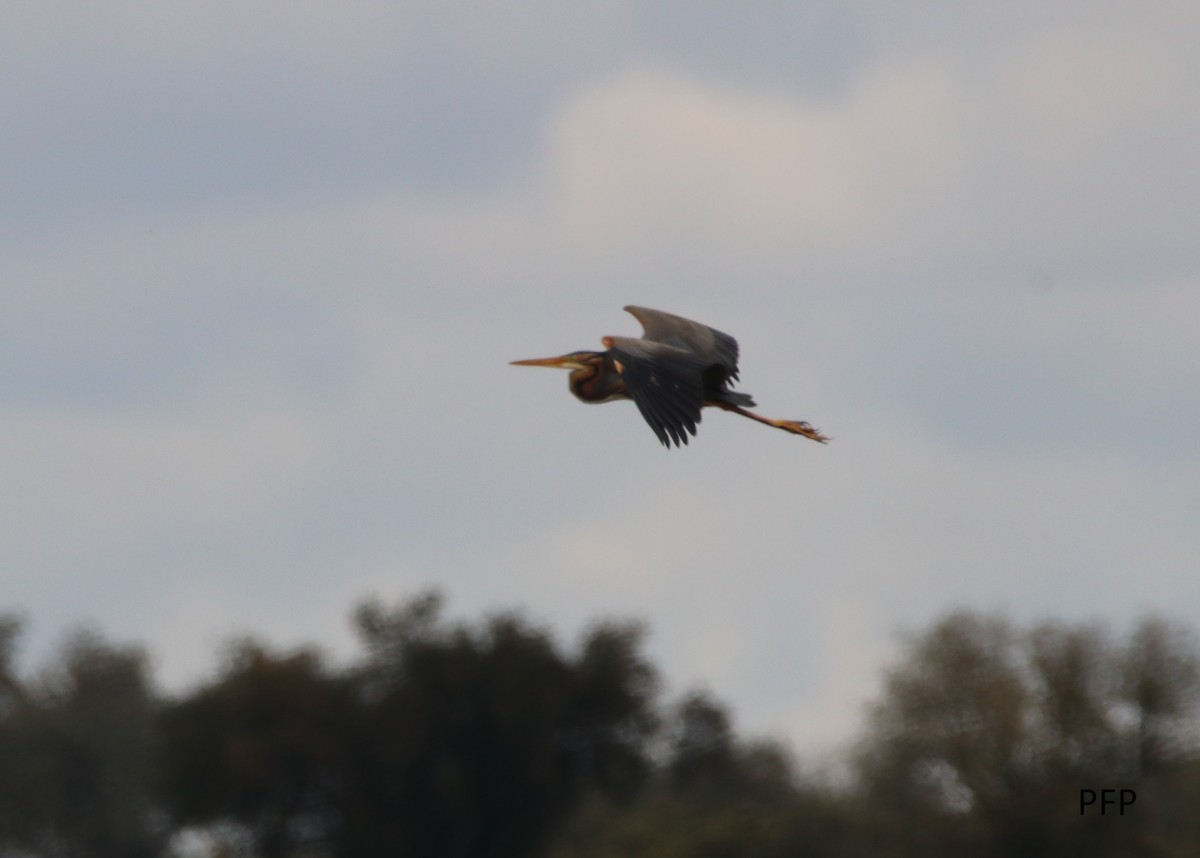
[676, 368]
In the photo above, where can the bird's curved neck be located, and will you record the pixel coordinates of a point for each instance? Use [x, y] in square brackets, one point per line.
[599, 381]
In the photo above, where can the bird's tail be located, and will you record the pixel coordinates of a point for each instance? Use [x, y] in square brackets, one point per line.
[733, 397]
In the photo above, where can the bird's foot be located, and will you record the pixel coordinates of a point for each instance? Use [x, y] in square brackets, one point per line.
[800, 427]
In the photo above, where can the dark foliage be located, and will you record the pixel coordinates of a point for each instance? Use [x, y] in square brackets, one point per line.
[986, 734]
[490, 739]
[444, 739]
[263, 745]
[479, 742]
[77, 751]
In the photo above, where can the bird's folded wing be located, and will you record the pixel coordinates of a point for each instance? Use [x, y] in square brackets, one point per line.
[664, 382]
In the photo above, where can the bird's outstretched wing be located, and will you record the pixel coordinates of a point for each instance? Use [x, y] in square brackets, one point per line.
[712, 347]
[664, 382]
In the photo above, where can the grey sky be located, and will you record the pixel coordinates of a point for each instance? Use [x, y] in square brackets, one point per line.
[263, 268]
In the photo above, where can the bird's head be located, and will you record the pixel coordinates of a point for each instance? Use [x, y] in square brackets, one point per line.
[574, 360]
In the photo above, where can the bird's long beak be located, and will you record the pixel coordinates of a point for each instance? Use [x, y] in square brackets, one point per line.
[562, 362]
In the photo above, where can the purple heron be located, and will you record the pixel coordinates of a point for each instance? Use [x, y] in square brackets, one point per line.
[672, 371]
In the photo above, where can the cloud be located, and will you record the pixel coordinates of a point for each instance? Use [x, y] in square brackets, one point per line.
[657, 162]
[924, 169]
[92, 487]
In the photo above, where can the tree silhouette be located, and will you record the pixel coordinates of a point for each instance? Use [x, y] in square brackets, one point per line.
[78, 753]
[478, 742]
[443, 740]
[261, 746]
[714, 796]
[985, 735]
[491, 739]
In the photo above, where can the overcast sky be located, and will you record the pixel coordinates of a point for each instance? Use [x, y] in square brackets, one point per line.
[263, 266]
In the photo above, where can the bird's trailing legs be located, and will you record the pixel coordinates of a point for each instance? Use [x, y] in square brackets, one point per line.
[796, 427]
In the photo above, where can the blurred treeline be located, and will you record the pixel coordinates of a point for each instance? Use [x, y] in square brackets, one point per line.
[491, 739]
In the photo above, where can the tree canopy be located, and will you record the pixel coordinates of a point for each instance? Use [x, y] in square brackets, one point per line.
[492, 738]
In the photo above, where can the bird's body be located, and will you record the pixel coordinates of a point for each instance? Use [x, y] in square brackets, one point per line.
[675, 369]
